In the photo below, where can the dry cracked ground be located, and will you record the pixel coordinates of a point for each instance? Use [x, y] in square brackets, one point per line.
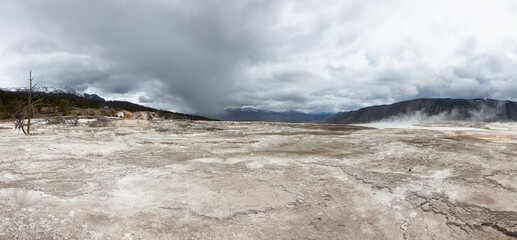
[130, 179]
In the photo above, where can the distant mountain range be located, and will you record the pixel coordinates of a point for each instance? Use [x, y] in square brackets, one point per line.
[56, 90]
[233, 114]
[442, 109]
[252, 114]
[421, 110]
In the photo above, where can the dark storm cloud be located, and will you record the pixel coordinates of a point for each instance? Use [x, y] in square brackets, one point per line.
[191, 48]
[145, 99]
[203, 56]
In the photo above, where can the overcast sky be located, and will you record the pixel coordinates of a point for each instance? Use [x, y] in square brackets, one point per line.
[313, 56]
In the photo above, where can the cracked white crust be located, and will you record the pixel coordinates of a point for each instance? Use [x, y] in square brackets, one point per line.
[130, 179]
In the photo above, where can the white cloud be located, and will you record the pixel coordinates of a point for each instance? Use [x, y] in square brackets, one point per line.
[278, 55]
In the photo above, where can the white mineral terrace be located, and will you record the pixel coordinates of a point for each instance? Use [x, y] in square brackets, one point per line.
[135, 179]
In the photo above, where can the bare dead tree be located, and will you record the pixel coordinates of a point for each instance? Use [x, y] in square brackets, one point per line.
[75, 121]
[30, 106]
[25, 112]
[19, 117]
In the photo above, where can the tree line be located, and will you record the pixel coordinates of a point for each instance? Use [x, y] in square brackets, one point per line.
[11, 101]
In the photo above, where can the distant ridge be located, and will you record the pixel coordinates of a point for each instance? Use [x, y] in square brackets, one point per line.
[253, 114]
[56, 90]
[446, 109]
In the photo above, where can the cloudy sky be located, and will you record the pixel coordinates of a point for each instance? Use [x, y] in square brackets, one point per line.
[313, 56]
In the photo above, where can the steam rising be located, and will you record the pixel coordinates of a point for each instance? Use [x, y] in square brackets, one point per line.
[485, 113]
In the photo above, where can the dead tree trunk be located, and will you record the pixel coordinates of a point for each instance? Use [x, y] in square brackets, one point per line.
[25, 112]
[30, 106]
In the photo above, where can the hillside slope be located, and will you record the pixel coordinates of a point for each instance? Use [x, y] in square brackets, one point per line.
[67, 103]
[486, 110]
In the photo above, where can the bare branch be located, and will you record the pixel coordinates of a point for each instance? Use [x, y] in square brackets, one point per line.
[30, 106]
[25, 112]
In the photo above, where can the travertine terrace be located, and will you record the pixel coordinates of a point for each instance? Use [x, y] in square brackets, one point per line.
[132, 179]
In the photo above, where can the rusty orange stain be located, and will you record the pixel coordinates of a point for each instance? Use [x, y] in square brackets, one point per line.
[127, 115]
[488, 136]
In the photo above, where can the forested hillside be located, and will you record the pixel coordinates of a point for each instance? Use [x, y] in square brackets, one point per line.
[63, 104]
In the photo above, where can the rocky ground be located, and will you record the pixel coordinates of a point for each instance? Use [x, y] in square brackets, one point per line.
[135, 179]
